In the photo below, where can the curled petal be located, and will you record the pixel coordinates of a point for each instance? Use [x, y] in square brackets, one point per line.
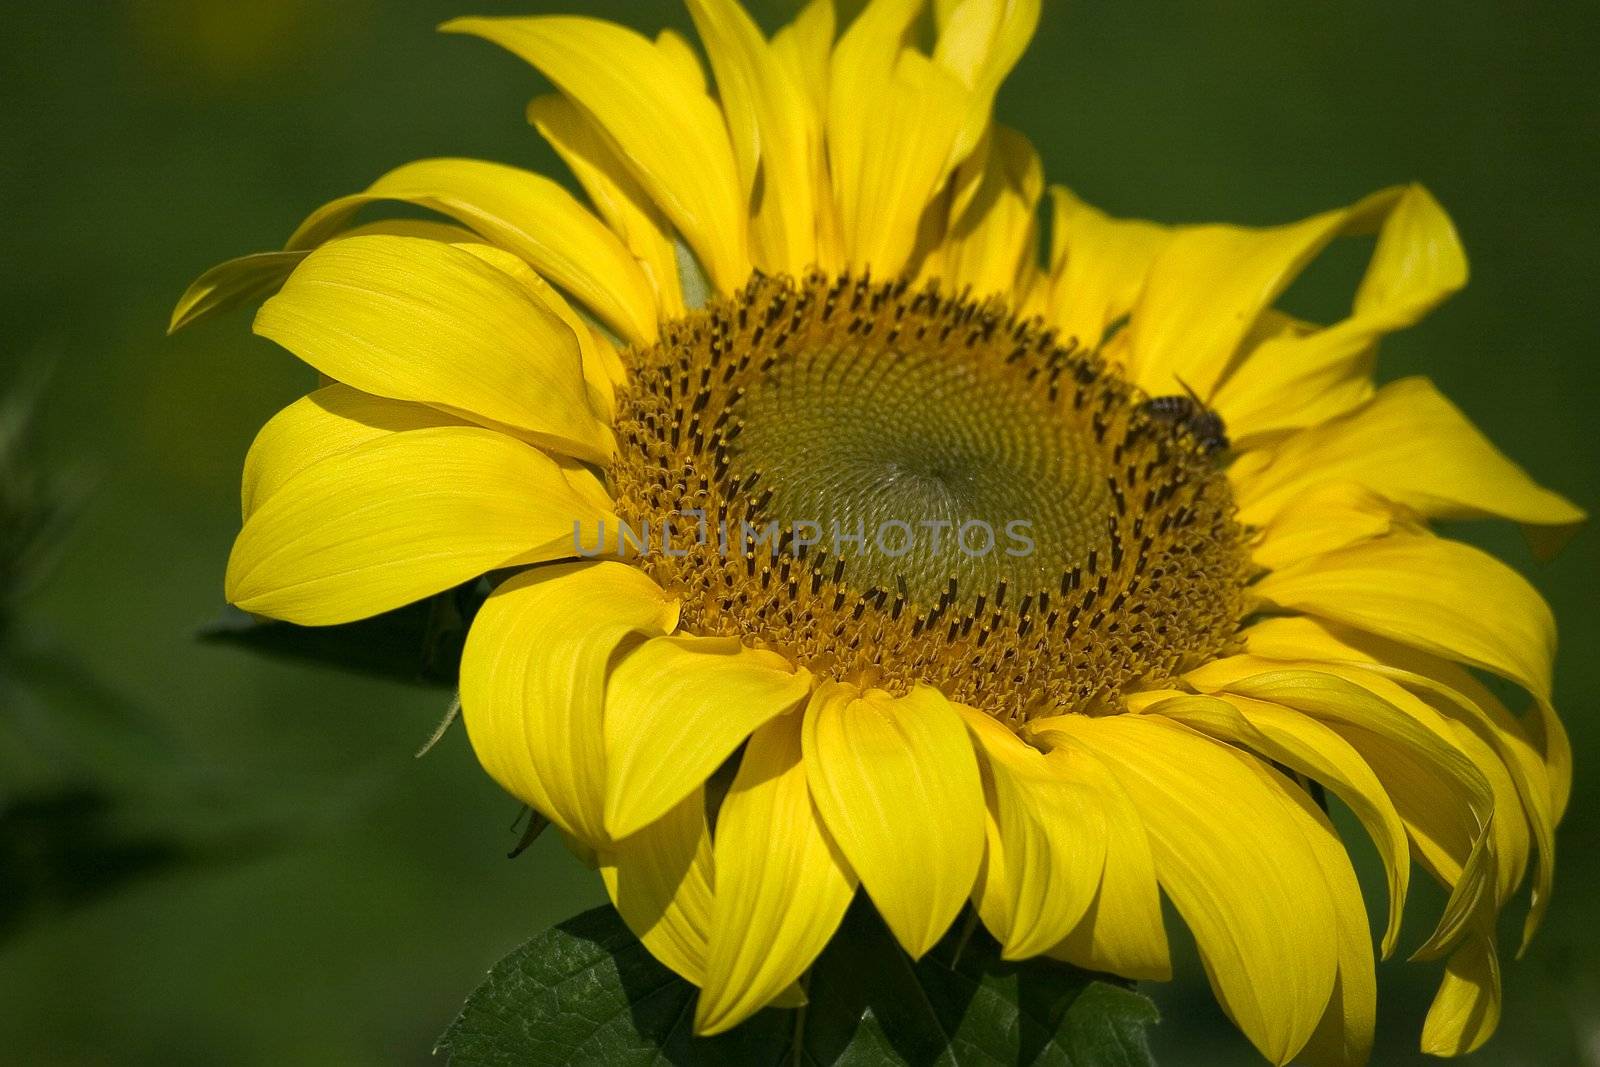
[230, 284]
[1466, 1010]
[1445, 800]
[334, 419]
[1206, 289]
[1432, 594]
[1311, 748]
[1457, 695]
[1409, 445]
[1302, 377]
[522, 212]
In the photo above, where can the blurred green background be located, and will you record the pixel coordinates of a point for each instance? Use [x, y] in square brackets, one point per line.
[272, 877]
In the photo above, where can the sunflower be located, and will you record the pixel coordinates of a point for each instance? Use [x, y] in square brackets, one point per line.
[1048, 583]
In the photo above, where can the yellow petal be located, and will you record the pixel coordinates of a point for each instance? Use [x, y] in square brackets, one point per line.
[1326, 516]
[991, 893]
[1204, 292]
[1410, 445]
[228, 285]
[992, 242]
[782, 886]
[676, 707]
[247, 278]
[1437, 595]
[776, 135]
[1310, 748]
[417, 320]
[1455, 693]
[533, 679]
[1208, 288]
[1442, 797]
[526, 214]
[1512, 842]
[334, 419]
[602, 367]
[980, 42]
[619, 198]
[1471, 902]
[1300, 378]
[1049, 836]
[1354, 700]
[805, 48]
[738, 54]
[659, 879]
[888, 160]
[399, 518]
[1466, 1009]
[1470, 705]
[1245, 879]
[897, 784]
[1097, 266]
[430, 229]
[680, 54]
[1302, 637]
[665, 128]
[802, 50]
[1122, 931]
[1344, 1036]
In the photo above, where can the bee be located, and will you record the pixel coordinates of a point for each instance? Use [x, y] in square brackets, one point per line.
[1187, 411]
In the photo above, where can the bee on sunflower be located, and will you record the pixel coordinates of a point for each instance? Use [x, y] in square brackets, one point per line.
[811, 292]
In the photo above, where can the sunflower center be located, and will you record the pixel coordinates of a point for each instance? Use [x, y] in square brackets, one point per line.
[891, 486]
[920, 469]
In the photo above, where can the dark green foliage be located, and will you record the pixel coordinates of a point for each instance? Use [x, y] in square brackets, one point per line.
[35, 505]
[94, 795]
[587, 991]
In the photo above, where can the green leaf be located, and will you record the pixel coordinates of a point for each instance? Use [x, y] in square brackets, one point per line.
[586, 991]
[962, 1004]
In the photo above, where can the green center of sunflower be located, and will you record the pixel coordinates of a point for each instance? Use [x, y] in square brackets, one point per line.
[893, 487]
[919, 470]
